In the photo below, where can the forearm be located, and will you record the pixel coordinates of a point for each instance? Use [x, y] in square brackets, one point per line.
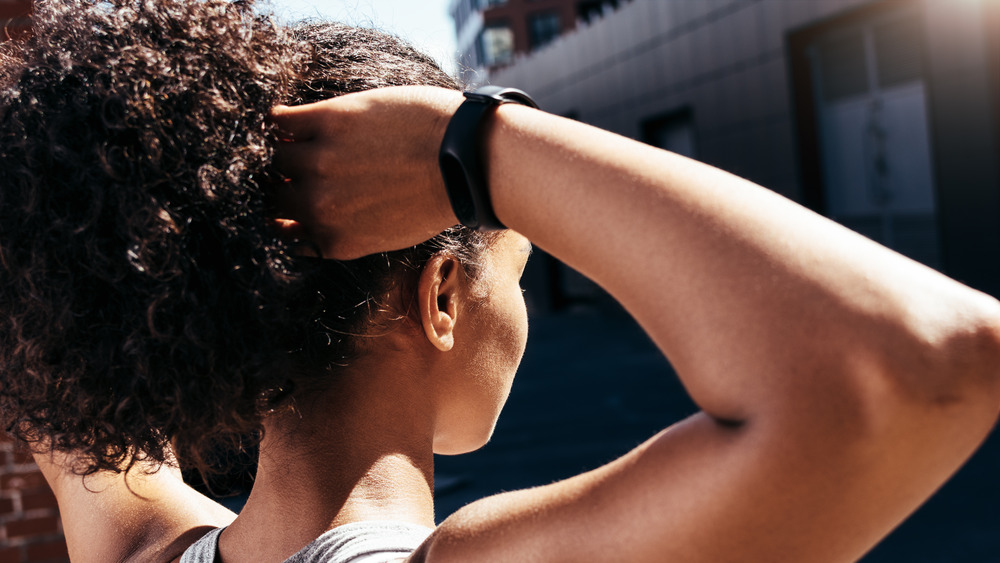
[740, 287]
[859, 380]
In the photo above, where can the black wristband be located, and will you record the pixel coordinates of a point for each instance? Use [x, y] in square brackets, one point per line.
[459, 157]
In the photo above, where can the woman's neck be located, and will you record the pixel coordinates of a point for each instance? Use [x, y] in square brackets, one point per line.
[362, 450]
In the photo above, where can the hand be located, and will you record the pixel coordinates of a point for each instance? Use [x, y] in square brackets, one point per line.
[362, 169]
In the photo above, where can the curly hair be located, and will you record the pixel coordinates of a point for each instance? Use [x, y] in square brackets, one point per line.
[144, 301]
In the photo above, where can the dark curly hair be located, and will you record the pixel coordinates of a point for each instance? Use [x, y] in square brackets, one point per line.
[145, 301]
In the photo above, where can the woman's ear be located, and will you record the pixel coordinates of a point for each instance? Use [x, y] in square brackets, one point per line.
[438, 292]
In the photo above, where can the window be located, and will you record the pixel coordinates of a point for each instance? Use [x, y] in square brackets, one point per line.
[866, 59]
[483, 4]
[543, 28]
[869, 162]
[673, 132]
[589, 10]
[496, 44]
[844, 66]
[898, 48]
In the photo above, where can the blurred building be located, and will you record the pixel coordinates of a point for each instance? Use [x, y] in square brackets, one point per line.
[883, 115]
[491, 33]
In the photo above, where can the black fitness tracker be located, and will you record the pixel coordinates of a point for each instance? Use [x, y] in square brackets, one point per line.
[459, 157]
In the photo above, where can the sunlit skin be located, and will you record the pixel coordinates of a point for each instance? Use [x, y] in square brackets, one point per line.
[840, 384]
[434, 382]
[488, 349]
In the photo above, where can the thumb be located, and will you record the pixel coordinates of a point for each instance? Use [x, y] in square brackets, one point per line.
[295, 123]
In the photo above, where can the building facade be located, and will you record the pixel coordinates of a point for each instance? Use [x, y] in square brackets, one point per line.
[491, 33]
[883, 115]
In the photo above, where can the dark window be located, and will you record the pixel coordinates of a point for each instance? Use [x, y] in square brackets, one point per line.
[866, 140]
[496, 44]
[589, 10]
[543, 28]
[888, 53]
[843, 66]
[673, 132]
[898, 51]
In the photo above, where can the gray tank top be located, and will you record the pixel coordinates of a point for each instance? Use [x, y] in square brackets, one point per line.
[358, 542]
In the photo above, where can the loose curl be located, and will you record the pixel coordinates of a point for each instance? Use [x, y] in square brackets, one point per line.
[144, 301]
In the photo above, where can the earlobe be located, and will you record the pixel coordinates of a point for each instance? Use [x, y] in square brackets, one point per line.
[437, 296]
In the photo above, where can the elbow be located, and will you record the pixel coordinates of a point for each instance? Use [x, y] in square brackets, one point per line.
[984, 369]
[949, 363]
[976, 362]
[968, 359]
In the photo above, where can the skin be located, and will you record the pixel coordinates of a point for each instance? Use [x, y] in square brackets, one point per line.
[459, 352]
[840, 383]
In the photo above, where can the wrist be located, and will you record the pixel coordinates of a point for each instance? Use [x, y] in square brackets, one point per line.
[461, 156]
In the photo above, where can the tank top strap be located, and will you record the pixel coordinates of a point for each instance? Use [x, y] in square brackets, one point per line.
[205, 550]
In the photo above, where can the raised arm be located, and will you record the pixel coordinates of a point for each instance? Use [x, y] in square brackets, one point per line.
[840, 383]
[136, 516]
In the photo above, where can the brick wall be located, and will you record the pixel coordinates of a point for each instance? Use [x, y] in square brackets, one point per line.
[30, 530]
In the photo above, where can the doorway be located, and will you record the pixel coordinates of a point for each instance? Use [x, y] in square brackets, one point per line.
[871, 135]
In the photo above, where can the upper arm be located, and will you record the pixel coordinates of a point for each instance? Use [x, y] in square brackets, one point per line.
[707, 491]
[858, 380]
[131, 516]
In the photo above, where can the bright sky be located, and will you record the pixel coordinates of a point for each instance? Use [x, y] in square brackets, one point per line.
[424, 23]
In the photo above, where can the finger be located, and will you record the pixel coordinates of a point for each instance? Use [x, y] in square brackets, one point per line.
[296, 237]
[295, 160]
[296, 123]
[290, 202]
[289, 230]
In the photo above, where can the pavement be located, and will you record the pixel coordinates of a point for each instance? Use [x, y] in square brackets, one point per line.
[592, 386]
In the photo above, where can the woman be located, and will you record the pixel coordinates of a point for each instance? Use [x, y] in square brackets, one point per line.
[840, 384]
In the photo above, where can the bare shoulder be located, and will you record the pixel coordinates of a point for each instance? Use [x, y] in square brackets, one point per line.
[620, 511]
[168, 539]
[708, 491]
[141, 515]
[175, 516]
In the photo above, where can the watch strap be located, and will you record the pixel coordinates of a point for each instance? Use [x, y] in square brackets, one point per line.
[460, 156]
